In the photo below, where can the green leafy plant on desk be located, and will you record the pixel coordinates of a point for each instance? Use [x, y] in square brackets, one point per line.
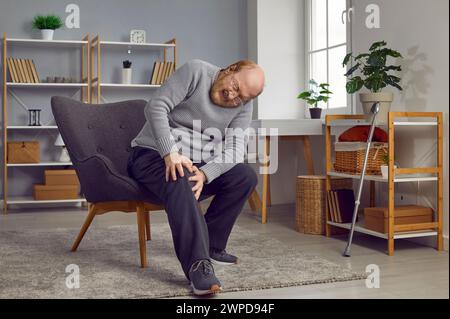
[318, 93]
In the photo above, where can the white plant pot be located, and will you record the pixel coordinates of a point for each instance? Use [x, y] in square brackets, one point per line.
[47, 34]
[126, 76]
[385, 99]
[385, 170]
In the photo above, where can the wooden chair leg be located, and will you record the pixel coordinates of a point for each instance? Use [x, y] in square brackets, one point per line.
[148, 231]
[254, 201]
[251, 202]
[269, 196]
[265, 179]
[141, 231]
[200, 207]
[84, 228]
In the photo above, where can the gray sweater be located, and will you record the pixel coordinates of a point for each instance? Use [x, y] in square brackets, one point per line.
[171, 116]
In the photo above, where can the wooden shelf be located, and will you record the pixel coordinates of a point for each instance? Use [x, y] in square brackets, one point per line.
[31, 200]
[99, 46]
[344, 123]
[137, 45]
[360, 229]
[397, 179]
[46, 85]
[119, 85]
[399, 175]
[14, 88]
[26, 127]
[40, 164]
[415, 123]
[39, 42]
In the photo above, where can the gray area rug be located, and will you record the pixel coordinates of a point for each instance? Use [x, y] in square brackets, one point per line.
[33, 264]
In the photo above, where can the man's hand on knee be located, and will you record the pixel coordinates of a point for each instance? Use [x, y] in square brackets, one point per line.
[175, 163]
[199, 178]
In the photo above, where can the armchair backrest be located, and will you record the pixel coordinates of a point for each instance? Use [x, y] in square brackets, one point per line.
[105, 129]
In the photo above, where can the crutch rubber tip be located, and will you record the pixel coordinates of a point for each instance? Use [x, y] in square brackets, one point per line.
[347, 253]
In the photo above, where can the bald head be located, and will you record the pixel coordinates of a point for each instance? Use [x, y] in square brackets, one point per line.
[252, 80]
[238, 84]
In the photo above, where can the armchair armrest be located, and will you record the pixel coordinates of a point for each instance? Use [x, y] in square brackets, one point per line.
[100, 180]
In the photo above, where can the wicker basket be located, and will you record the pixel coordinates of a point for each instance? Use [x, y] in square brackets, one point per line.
[311, 202]
[349, 157]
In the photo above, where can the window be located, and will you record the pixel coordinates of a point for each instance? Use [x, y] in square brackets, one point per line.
[327, 44]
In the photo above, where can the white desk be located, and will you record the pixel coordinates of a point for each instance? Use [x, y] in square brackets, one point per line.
[304, 127]
[287, 130]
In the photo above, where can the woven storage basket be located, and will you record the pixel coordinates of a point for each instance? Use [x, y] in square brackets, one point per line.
[311, 202]
[349, 157]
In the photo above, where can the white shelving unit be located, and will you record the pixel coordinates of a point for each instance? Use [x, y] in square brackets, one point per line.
[396, 175]
[397, 179]
[137, 86]
[46, 43]
[30, 200]
[355, 122]
[138, 45]
[46, 85]
[360, 229]
[25, 127]
[98, 46]
[41, 164]
[84, 86]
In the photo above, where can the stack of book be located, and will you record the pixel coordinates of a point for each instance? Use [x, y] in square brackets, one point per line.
[341, 203]
[161, 72]
[22, 71]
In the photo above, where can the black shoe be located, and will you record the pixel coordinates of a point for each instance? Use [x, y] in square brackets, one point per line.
[221, 257]
[203, 280]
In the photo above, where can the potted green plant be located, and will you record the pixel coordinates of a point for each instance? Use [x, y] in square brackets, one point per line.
[126, 72]
[374, 76]
[385, 167]
[47, 24]
[317, 93]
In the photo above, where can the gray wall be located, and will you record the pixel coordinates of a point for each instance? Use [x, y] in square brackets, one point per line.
[213, 30]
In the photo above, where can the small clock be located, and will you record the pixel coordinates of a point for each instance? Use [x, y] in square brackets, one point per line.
[137, 36]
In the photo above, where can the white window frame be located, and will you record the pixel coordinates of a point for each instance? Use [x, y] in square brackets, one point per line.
[350, 99]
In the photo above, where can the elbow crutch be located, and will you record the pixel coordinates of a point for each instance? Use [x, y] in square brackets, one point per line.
[374, 110]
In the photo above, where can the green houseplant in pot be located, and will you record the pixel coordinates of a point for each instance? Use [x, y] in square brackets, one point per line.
[318, 93]
[47, 24]
[375, 75]
[126, 72]
[385, 166]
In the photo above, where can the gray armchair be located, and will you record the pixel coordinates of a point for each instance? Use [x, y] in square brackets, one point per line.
[98, 138]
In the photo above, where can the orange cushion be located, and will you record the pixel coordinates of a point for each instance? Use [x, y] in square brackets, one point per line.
[361, 134]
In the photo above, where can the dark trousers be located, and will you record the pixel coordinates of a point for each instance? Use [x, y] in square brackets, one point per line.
[194, 234]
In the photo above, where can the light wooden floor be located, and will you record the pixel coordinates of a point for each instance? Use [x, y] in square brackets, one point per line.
[414, 272]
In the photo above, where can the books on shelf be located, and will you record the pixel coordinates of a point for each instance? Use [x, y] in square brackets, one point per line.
[341, 203]
[161, 72]
[22, 70]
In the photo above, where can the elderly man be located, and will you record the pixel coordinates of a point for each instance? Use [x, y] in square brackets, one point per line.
[200, 111]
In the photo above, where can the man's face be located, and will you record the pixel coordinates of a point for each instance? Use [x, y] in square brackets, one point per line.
[232, 89]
